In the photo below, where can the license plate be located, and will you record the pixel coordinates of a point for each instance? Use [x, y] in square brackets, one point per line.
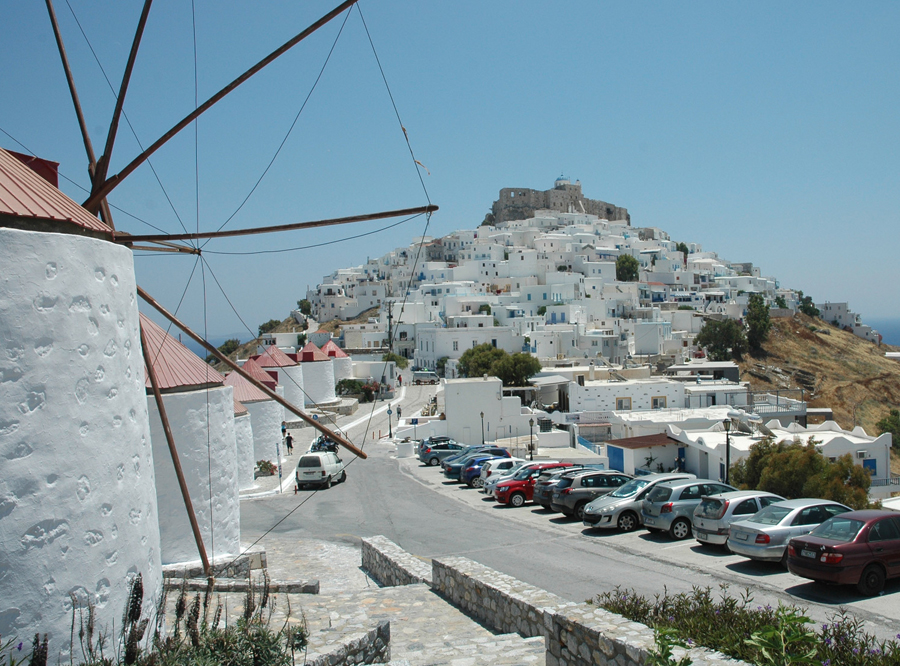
[649, 521]
[740, 536]
[808, 553]
[702, 535]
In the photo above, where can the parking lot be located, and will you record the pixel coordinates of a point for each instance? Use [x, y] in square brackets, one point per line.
[709, 565]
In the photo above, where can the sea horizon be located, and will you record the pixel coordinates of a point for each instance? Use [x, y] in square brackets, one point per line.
[889, 329]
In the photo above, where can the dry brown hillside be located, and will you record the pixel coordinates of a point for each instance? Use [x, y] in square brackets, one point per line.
[837, 370]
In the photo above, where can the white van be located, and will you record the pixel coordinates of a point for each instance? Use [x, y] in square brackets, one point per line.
[425, 377]
[319, 468]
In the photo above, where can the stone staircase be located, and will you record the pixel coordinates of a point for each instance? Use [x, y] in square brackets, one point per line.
[425, 630]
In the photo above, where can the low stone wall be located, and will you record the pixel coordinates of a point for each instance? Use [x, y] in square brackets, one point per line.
[498, 601]
[392, 566]
[242, 585]
[372, 647]
[223, 567]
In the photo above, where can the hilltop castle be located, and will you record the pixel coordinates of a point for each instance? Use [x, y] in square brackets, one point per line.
[517, 203]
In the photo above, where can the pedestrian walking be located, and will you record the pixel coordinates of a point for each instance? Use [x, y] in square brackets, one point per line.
[399, 413]
[289, 443]
[283, 429]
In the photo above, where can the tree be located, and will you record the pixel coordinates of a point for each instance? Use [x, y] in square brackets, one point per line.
[515, 369]
[891, 424]
[477, 361]
[396, 358]
[269, 326]
[807, 306]
[304, 306]
[723, 340]
[301, 339]
[484, 308]
[542, 310]
[780, 303]
[758, 323]
[794, 469]
[682, 247]
[627, 268]
[228, 347]
[441, 365]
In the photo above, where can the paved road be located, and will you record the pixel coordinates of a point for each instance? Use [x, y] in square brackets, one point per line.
[413, 506]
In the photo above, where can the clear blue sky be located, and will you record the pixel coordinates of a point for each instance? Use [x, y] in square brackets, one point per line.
[765, 131]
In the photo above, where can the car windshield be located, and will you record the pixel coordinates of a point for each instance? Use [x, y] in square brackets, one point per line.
[629, 489]
[839, 529]
[771, 515]
[310, 461]
[709, 508]
[525, 473]
[659, 494]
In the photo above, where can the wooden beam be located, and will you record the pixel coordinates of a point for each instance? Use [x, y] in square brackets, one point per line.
[155, 238]
[100, 190]
[170, 440]
[340, 439]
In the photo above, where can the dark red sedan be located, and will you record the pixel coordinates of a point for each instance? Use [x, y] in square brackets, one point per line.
[859, 548]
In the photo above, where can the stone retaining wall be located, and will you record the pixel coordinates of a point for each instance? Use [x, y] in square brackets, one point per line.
[498, 601]
[390, 565]
[372, 647]
[242, 585]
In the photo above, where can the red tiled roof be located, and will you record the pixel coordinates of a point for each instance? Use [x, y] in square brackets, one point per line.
[25, 194]
[642, 442]
[244, 391]
[312, 353]
[253, 369]
[333, 350]
[239, 409]
[176, 366]
[273, 357]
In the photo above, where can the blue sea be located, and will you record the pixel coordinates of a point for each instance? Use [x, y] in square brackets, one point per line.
[889, 329]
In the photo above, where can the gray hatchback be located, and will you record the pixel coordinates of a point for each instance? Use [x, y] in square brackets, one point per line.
[572, 493]
[670, 506]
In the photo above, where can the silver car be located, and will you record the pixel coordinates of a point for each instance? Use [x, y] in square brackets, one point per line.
[715, 513]
[669, 507]
[572, 493]
[765, 535]
[621, 509]
[491, 484]
[496, 467]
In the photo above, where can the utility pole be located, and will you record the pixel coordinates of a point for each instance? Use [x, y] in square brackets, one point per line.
[390, 318]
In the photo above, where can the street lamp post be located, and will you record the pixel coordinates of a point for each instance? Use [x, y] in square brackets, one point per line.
[531, 439]
[389, 412]
[482, 428]
[727, 424]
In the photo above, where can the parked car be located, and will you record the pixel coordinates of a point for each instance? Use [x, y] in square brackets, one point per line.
[469, 450]
[859, 548]
[572, 493]
[622, 507]
[319, 468]
[518, 489]
[433, 454]
[669, 507]
[491, 484]
[497, 467]
[765, 535]
[431, 441]
[715, 513]
[425, 377]
[542, 493]
[471, 474]
[453, 470]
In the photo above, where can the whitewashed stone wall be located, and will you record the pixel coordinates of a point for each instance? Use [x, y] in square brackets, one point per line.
[291, 378]
[266, 417]
[318, 381]
[343, 368]
[78, 509]
[243, 441]
[202, 425]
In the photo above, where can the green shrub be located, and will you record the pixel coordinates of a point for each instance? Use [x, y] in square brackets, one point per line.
[348, 386]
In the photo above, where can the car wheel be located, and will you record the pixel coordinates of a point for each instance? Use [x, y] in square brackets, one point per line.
[477, 482]
[433, 462]
[872, 581]
[343, 476]
[328, 482]
[628, 521]
[681, 529]
[517, 499]
[579, 510]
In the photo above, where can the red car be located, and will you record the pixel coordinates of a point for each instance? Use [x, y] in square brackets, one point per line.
[520, 488]
[859, 548]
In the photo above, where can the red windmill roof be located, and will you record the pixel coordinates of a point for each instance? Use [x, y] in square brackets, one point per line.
[333, 350]
[239, 409]
[253, 369]
[244, 391]
[273, 357]
[312, 353]
[176, 366]
[25, 194]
